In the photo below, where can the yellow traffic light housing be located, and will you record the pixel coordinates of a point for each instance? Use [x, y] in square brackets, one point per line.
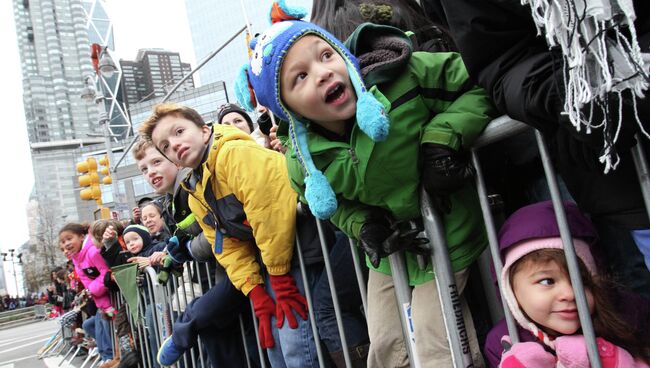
[105, 170]
[87, 166]
[90, 180]
[94, 192]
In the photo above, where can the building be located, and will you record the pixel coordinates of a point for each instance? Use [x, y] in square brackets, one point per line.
[54, 40]
[206, 100]
[208, 35]
[152, 74]
[54, 48]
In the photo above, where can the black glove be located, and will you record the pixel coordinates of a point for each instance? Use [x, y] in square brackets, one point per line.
[265, 123]
[382, 236]
[444, 171]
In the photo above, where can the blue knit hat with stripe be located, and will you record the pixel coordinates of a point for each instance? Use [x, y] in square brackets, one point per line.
[259, 82]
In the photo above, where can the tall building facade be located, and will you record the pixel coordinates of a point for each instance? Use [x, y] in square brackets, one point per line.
[54, 41]
[152, 74]
[208, 34]
[54, 50]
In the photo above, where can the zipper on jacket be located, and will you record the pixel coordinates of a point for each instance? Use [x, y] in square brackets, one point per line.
[353, 154]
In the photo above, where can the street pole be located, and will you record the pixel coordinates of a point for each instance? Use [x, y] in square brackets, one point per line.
[105, 121]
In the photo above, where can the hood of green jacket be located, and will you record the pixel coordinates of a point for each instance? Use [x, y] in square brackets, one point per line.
[382, 51]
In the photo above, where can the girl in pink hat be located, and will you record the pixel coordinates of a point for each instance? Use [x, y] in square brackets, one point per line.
[537, 289]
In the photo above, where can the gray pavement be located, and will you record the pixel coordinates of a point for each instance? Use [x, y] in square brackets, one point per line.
[18, 345]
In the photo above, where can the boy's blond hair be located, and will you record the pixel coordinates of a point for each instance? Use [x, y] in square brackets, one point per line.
[140, 147]
[98, 227]
[165, 109]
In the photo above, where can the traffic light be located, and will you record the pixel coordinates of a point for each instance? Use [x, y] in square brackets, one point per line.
[90, 180]
[105, 170]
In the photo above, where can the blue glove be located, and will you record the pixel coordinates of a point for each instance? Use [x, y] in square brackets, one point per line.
[179, 253]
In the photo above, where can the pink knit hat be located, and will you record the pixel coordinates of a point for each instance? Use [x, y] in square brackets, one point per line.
[516, 252]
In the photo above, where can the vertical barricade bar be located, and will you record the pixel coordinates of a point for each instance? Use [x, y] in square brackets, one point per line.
[642, 171]
[257, 336]
[493, 242]
[243, 340]
[142, 336]
[193, 266]
[160, 306]
[310, 309]
[569, 252]
[403, 296]
[175, 291]
[448, 293]
[335, 297]
[360, 279]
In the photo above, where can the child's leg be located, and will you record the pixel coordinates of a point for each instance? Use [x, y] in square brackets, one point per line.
[214, 316]
[347, 290]
[103, 337]
[430, 334]
[89, 326]
[387, 348]
[297, 346]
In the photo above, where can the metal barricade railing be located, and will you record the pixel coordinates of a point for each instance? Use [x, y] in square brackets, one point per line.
[162, 299]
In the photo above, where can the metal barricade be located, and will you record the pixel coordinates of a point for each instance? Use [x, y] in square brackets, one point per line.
[164, 301]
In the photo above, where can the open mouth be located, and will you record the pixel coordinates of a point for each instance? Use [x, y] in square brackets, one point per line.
[156, 181]
[335, 93]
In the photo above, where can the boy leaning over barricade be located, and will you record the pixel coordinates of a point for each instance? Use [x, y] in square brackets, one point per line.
[241, 196]
[357, 156]
[213, 316]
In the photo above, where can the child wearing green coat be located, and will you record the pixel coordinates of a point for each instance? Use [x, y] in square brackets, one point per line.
[362, 135]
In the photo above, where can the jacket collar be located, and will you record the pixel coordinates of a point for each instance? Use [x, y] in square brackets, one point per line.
[382, 51]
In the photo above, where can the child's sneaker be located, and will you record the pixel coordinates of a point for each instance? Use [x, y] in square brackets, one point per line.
[169, 354]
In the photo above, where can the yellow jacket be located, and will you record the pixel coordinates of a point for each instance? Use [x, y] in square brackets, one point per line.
[241, 196]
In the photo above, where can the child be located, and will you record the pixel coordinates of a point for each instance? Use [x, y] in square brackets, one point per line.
[357, 156]
[538, 292]
[212, 315]
[77, 245]
[107, 235]
[241, 194]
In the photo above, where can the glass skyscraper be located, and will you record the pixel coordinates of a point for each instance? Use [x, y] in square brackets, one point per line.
[54, 46]
[212, 22]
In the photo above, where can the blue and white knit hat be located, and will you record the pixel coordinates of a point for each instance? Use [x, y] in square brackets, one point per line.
[259, 80]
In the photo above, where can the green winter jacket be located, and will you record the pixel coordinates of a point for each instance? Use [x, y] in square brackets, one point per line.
[428, 98]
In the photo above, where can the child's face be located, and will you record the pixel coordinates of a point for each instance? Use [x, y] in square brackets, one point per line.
[70, 243]
[158, 171]
[133, 242]
[544, 293]
[181, 140]
[235, 119]
[315, 84]
[151, 219]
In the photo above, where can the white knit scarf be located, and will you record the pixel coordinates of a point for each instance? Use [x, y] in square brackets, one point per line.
[598, 59]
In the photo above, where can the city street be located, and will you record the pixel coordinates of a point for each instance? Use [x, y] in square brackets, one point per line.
[18, 345]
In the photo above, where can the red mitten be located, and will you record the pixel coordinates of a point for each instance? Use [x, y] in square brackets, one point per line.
[288, 298]
[264, 309]
[572, 353]
[525, 355]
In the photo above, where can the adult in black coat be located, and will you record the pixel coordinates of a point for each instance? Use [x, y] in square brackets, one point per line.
[503, 53]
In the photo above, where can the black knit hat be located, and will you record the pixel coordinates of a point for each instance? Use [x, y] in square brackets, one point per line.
[142, 231]
[228, 108]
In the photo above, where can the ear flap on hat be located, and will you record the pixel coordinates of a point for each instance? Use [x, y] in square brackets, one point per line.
[371, 114]
[243, 90]
[318, 191]
[281, 11]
